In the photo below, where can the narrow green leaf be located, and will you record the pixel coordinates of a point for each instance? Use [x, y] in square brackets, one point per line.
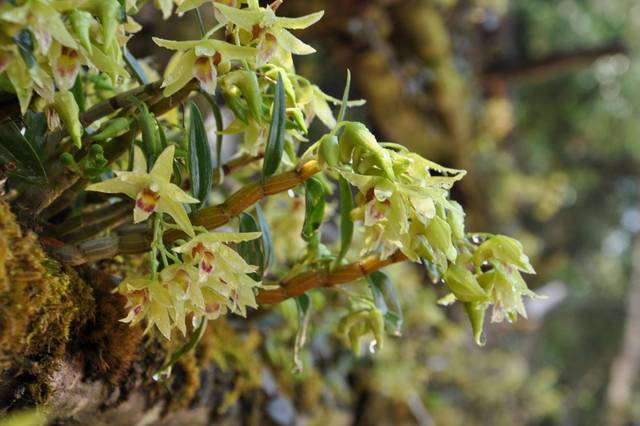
[314, 208]
[135, 67]
[251, 251]
[35, 130]
[303, 303]
[79, 94]
[217, 115]
[200, 167]
[24, 41]
[18, 157]
[386, 300]
[275, 142]
[193, 341]
[267, 242]
[346, 224]
[345, 98]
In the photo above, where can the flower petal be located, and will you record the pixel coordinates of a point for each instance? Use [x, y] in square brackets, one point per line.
[163, 167]
[290, 43]
[300, 22]
[116, 186]
[176, 211]
[178, 75]
[244, 18]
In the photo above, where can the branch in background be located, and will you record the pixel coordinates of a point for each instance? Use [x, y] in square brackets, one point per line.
[626, 365]
[550, 66]
[310, 280]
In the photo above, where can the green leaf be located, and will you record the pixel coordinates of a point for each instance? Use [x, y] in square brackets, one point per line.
[251, 251]
[303, 303]
[135, 67]
[193, 341]
[314, 208]
[200, 166]
[217, 115]
[18, 156]
[346, 224]
[345, 98]
[78, 93]
[275, 142]
[35, 130]
[386, 300]
[267, 242]
[24, 41]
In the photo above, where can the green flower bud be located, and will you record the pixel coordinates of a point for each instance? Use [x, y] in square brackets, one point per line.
[438, 233]
[109, 12]
[328, 150]
[247, 83]
[298, 119]
[376, 323]
[81, 24]
[455, 219]
[464, 285]
[113, 128]
[506, 250]
[475, 311]
[67, 108]
[233, 101]
[357, 135]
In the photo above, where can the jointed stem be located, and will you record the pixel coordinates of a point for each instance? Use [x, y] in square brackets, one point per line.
[310, 280]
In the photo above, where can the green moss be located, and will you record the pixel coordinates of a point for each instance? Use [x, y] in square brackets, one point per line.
[42, 305]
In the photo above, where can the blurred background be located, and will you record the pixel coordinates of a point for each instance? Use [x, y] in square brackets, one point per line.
[539, 101]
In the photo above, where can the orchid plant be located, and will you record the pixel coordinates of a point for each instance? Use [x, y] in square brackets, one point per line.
[90, 122]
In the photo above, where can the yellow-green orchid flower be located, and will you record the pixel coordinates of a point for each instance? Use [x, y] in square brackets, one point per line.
[222, 270]
[199, 59]
[150, 300]
[268, 30]
[152, 191]
[211, 253]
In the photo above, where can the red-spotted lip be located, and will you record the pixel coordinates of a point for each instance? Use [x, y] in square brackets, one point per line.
[147, 200]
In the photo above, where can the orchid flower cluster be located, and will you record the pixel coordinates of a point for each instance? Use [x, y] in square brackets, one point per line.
[402, 204]
[203, 277]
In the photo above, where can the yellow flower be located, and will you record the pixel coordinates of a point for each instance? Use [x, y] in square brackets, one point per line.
[199, 59]
[269, 30]
[212, 255]
[222, 271]
[151, 300]
[152, 191]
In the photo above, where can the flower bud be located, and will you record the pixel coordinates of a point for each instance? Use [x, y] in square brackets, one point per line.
[328, 150]
[115, 127]
[109, 12]
[67, 108]
[438, 233]
[376, 323]
[81, 24]
[475, 311]
[464, 285]
[357, 135]
[506, 250]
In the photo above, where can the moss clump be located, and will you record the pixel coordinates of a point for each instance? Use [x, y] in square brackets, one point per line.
[42, 305]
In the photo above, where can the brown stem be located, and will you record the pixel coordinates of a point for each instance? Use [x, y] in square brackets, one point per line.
[216, 216]
[310, 280]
